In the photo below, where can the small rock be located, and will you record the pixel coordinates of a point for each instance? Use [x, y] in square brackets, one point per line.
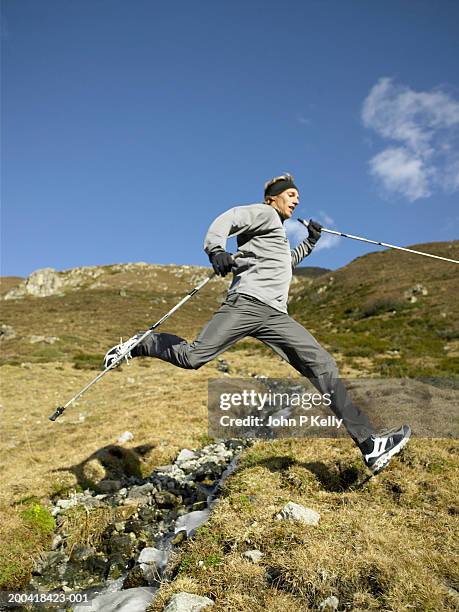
[126, 436]
[297, 512]
[199, 505]
[135, 578]
[329, 605]
[46, 339]
[82, 553]
[180, 537]
[65, 504]
[121, 544]
[140, 491]
[165, 499]
[7, 332]
[186, 602]
[223, 366]
[253, 555]
[108, 486]
[410, 294]
[185, 454]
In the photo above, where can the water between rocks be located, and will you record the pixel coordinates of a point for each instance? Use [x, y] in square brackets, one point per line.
[154, 515]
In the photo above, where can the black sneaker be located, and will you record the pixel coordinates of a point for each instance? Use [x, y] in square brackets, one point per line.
[378, 449]
[123, 347]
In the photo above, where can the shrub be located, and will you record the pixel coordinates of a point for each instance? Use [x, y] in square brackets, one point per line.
[380, 306]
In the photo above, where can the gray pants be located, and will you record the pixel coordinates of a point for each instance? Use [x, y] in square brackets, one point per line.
[240, 316]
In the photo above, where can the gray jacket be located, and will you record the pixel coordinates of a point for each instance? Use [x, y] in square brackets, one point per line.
[259, 229]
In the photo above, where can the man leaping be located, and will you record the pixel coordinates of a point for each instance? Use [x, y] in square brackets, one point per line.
[256, 306]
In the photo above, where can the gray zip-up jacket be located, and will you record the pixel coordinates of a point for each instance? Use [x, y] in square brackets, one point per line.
[259, 229]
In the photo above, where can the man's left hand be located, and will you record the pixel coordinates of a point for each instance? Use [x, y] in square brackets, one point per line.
[314, 229]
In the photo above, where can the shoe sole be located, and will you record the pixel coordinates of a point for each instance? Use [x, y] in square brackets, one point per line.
[383, 461]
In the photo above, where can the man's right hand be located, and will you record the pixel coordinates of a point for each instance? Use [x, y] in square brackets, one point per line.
[222, 262]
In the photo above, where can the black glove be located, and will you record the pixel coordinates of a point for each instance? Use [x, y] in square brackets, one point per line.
[314, 229]
[222, 262]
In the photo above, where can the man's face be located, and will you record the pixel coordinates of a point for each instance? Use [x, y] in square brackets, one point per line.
[286, 202]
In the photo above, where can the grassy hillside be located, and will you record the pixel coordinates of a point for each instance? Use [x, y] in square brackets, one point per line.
[388, 313]
[98, 305]
[386, 546]
[385, 314]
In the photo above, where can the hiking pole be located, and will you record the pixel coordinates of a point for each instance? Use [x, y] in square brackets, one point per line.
[60, 409]
[383, 244]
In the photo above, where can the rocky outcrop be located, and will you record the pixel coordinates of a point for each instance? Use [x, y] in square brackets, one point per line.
[48, 281]
[40, 283]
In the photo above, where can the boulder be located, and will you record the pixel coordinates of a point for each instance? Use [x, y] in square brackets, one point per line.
[40, 283]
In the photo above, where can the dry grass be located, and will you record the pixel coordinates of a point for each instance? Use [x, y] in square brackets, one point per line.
[388, 546]
[164, 407]
[385, 547]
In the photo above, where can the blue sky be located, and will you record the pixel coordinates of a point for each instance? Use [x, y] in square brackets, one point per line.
[128, 126]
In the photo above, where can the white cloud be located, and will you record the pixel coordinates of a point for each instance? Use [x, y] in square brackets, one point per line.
[327, 241]
[296, 231]
[452, 174]
[401, 170]
[303, 120]
[425, 126]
